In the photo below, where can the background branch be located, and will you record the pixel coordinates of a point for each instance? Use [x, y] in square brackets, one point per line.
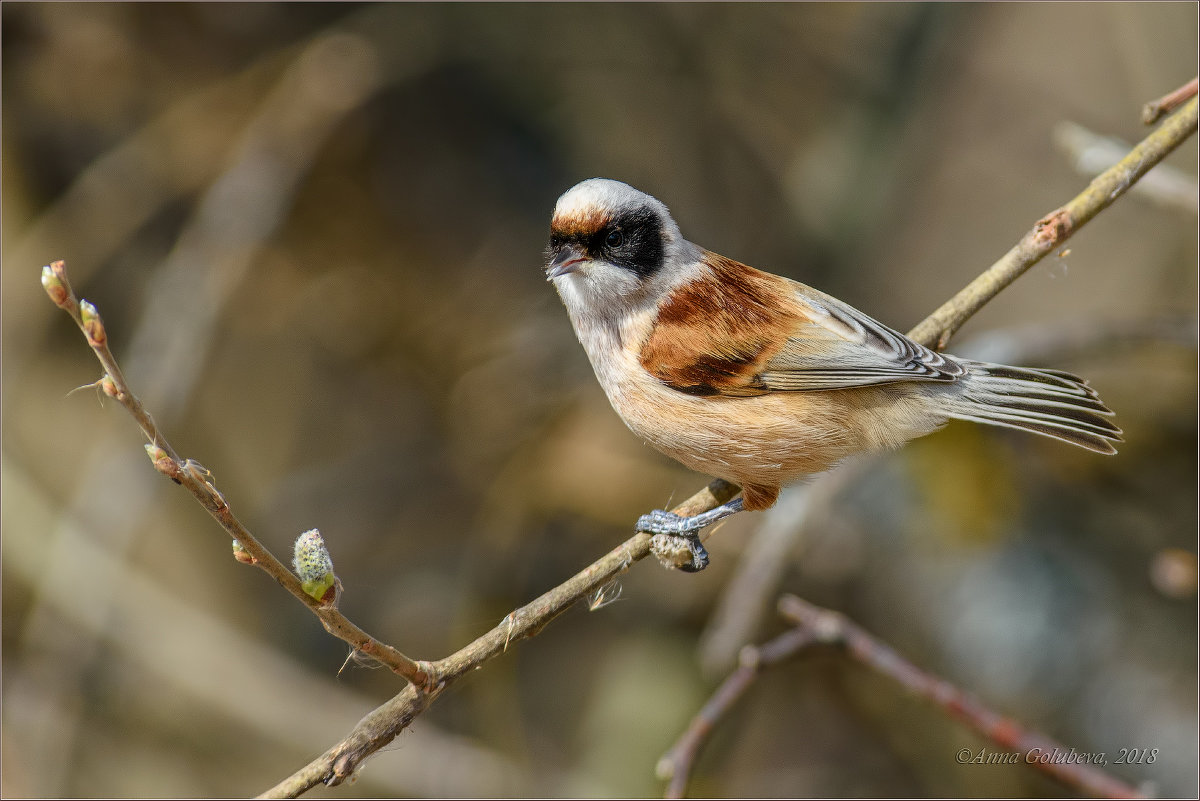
[676, 764]
[813, 626]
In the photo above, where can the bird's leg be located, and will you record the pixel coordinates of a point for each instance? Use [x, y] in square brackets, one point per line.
[662, 522]
[674, 535]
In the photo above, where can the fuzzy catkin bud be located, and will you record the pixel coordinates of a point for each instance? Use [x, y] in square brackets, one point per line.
[313, 565]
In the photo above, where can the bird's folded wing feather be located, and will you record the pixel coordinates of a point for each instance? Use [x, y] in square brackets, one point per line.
[739, 331]
[838, 346]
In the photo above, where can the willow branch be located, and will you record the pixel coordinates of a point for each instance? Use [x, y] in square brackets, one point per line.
[814, 625]
[198, 481]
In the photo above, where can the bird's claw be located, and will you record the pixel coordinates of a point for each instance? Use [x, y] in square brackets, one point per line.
[680, 551]
[676, 540]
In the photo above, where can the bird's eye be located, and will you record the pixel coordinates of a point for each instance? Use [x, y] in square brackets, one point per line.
[615, 238]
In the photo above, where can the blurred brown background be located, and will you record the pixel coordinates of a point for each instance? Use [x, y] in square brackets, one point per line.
[314, 232]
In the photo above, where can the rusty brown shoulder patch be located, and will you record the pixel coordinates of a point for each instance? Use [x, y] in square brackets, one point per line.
[715, 334]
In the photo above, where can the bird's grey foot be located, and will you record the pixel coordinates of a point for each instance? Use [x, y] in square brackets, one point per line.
[676, 540]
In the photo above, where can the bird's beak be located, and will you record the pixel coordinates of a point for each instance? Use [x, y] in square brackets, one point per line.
[568, 259]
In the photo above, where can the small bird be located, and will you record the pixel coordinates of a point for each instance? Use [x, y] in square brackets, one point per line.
[758, 379]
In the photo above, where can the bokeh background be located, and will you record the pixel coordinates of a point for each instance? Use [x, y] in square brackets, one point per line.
[314, 232]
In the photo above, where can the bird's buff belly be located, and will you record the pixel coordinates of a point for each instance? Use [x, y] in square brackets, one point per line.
[768, 439]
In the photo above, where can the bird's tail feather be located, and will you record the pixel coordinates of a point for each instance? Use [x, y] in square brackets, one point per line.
[1048, 402]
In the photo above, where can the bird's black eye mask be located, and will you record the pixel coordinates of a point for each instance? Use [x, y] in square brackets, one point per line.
[632, 240]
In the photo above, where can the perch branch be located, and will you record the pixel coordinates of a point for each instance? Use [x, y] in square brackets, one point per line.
[814, 625]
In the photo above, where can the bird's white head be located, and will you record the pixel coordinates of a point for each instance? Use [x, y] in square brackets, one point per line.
[612, 248]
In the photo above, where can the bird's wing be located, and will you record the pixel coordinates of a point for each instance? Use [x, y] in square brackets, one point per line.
[838, 346]
[739, 331]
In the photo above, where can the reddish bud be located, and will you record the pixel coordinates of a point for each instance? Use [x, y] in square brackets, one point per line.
[163, 463]
[242, 555]
[56, 285]
[110, 387]
[93, 326]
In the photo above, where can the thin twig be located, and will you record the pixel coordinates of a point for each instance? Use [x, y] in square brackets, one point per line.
[198, 482]
[278, 119]
[1091, 154]
[748, 594]
[1055, 228]
[836, 629]
[814, 625]
[1155, 110]
[676, 764]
